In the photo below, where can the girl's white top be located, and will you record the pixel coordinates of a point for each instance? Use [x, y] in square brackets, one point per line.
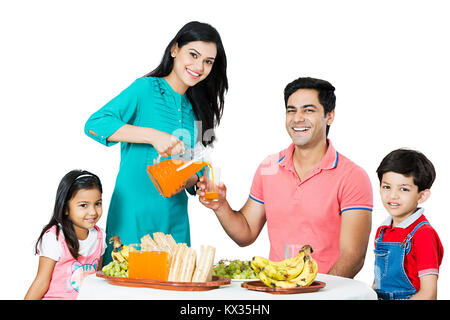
[51, 248]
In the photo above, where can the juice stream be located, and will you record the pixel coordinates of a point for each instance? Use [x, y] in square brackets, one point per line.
[212, 195]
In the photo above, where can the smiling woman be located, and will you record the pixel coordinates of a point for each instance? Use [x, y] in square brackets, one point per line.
[203, 43]
[192, 64]
[163, 113]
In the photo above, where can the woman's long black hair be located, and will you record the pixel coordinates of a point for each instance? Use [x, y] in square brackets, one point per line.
[70, 184]
[206, 97]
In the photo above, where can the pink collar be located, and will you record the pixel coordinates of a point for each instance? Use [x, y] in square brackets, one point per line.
[329, 160]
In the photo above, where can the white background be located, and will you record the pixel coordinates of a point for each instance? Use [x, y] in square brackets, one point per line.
[63, 60]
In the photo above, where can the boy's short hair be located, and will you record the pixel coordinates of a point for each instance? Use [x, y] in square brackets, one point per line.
[409, 163]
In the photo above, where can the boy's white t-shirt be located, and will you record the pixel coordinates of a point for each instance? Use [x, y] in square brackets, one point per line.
[51, 248]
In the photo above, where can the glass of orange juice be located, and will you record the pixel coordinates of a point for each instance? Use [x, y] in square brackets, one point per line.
[147, 263]
[212, 179]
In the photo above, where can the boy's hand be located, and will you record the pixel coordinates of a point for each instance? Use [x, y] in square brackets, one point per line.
[211, 204]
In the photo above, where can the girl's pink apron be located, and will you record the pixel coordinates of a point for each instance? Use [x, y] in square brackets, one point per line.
[68, 272]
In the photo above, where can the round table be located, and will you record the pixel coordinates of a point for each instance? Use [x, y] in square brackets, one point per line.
[336, 288]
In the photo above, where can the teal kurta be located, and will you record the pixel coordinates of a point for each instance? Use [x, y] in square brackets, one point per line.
[136, 207]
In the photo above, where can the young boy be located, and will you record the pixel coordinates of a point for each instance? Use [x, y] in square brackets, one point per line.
[408, 251]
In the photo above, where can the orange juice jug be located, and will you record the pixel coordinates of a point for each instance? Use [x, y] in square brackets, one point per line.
[167, 179]
[169, 175]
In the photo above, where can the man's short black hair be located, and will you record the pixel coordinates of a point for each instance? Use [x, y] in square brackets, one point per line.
[409, 163]
[327, 98]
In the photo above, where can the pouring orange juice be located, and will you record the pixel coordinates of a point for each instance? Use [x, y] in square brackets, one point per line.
[169, 175]
[212, 179]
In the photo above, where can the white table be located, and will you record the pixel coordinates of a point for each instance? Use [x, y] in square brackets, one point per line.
[337, 288]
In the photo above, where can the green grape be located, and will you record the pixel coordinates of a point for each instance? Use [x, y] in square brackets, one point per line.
[107, 269]
[234, 269]
[116, 269]
[221, 273]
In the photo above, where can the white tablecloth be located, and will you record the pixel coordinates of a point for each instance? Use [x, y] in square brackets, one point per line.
[337, 288]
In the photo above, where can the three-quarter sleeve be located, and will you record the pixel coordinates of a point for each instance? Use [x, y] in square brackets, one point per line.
[122, 109]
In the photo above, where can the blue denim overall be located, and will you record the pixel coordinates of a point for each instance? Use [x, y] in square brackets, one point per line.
[391, 281]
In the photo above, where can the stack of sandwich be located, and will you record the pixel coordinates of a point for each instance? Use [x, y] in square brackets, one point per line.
[183, 263]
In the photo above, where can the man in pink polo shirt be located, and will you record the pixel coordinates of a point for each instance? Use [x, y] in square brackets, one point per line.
[307, 193]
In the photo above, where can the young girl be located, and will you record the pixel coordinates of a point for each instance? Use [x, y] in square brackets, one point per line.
[162, 113]
[70, 246]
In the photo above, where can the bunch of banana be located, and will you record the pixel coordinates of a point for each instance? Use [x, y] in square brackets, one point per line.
[258, 263]
[298, 271]
[120, 251]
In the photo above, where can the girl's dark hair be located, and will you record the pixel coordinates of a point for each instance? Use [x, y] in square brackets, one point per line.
[70, 184]
[207, 96]
[409, 163]
[327, 97]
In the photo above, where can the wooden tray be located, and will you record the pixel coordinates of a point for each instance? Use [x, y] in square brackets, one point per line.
[259, 286]
[166, 285]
